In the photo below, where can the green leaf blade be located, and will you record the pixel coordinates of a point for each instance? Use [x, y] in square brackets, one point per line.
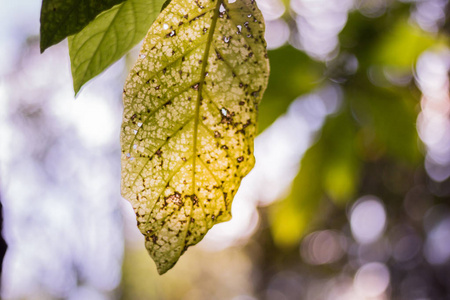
[190, 110]
[62, 18]
[107, 38]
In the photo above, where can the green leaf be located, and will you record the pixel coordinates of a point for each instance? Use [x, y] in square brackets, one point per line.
[61, 18]
[111, 35]
[190, 110]
[388, 118]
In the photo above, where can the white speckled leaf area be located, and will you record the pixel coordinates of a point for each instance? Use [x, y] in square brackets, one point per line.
[190, 113]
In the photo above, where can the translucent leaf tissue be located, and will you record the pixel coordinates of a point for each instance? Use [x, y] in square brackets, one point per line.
[189, 123]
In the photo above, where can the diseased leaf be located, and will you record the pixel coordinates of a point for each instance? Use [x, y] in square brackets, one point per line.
[61, 18]
[190, 110]
[107, 38]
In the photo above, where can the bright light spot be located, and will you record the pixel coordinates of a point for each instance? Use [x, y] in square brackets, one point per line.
[243, 297]
[323, 247]
[433, 123]
[277, 33]
[319, 23]
[430, 14]
[313, 108]
[367, 219]
[94, 121]
[240, 227]
[437, 250]
[92, 117]
[339, 288]
[86, 292]
[438, 172]
[271, 9]
[277, 152]
[371, 280]
[372, 8]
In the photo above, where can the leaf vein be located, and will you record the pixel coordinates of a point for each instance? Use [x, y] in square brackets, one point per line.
[166, 183]
[162, 145]
[96, 51]
[147, 119]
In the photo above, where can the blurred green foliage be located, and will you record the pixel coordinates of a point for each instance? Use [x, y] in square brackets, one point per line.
[377, 120]
[369, 145]
[330, 168]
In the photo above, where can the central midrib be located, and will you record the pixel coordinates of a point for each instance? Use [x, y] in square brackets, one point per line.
[200, 89]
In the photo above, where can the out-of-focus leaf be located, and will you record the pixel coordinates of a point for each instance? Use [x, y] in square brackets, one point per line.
[362, 35]
[62, 18]
[111, 35]
[388, 41]
[292, 73]
[290, 218]
[333, 155]
[388, 120]
[385, 109]
[342, 163]
[190, 109]
[401, 46]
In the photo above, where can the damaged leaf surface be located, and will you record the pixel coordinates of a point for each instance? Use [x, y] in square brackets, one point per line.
[190, 112]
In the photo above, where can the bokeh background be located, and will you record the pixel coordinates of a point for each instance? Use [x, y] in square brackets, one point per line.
[349, 198]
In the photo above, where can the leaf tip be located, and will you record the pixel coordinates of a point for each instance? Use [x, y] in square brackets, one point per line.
[43, 44]
[76, 87]
[46, 41]
[163, 267]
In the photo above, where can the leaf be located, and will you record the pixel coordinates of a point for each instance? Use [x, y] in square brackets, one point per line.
[388, 118]
[107, 38]
[190, 110]
[61, 18]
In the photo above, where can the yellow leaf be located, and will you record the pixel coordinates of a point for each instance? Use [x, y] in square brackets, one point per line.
[190, 113]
